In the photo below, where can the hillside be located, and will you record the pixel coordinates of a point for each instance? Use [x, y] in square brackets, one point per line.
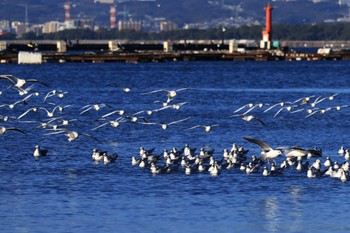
[180, 11]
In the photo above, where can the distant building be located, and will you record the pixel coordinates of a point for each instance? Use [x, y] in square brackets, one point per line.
[130, 25]
[20, 28]
[55, 26]
[190, 26]
[168, 26]
[4, 27]
[68, 24]
[83, 23]
[51, 27]
[37, 28]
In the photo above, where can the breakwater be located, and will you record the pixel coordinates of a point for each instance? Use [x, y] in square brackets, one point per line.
[156, 51]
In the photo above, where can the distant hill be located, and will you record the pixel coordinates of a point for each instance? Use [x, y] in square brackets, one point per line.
[182, 12]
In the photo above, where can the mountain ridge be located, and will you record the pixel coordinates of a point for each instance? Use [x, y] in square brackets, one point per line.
[182, 12]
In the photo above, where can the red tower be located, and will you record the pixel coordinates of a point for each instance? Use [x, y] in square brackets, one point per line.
[113, 16]
[67, 12]
[267, 31]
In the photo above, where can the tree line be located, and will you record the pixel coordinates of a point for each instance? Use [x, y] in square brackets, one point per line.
[339, 31]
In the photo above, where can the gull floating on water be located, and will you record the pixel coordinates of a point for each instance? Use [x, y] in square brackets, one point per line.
[341, 150]
[109, 158]
[328, 162]
[347, 154]
[38, 152]
[97, 155]
[145, 152]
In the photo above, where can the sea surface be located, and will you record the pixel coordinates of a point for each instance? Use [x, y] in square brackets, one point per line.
[66, 191]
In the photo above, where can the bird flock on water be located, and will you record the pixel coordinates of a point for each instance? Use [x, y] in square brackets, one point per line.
[189, 161]
[27, 108]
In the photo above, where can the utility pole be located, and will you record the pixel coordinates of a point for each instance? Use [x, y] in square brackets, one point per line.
[26, 18]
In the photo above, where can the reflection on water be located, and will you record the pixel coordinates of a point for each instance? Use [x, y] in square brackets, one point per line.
[271, 214]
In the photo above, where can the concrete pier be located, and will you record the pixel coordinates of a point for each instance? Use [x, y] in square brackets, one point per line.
[258, 55]
[158, 51]
[61, 46]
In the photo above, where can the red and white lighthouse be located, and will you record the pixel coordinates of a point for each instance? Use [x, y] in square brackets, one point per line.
[267, 31]
[113, 16]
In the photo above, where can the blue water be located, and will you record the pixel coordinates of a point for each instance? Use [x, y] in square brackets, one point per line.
[67, 192]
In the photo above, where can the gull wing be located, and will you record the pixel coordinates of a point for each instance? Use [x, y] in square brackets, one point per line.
[316, 151]
[294, 152]
[193, 127]
[97, 127]
[183, 89]
[15, 129]
[178, 121]
[90, 136]
[49, 94]
[271, 107]
[263, 123]
[262, 144]
[239, 109]
[120, 112]
[84, 111]
[25, 113]
[146, 93]
[37, 81]
[11, 78]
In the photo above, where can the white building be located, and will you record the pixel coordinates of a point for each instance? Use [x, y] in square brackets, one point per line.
[51, 27]
[130, 25]
[168, 26]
